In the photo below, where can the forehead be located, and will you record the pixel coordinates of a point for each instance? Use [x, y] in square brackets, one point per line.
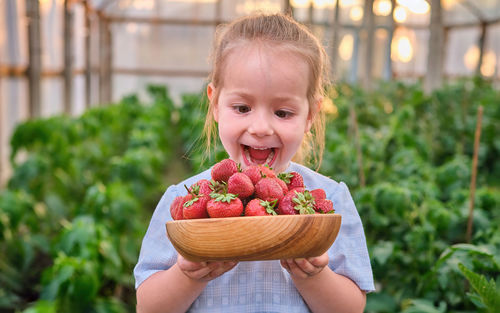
[270, 63]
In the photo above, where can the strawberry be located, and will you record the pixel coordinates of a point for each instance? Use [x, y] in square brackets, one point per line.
[282, 185]
[222, 170]
[267, 171]
[318, 194]
[296, 201]
[224, 205]
[240, 185]
[292, 179]
[324, 206]
[195, 206]
[268, 189]
[176, 209]
[258, 207]
[257, 172]
[201, 187]
[286, 206]
[218, 186]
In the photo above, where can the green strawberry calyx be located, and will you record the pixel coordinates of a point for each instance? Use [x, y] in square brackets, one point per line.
[223, 197]
[286, 177]
[218, 186]
[269, 206]
[195, 189]
[190, 202]
[304, 202]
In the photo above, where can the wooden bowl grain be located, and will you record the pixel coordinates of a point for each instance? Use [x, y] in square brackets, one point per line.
[252, 238]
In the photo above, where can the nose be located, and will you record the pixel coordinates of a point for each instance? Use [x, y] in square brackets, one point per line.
[261, 125]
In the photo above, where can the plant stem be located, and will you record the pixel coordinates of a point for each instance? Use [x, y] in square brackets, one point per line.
[477, 136]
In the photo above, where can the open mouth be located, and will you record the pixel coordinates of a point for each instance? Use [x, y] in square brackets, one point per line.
[259, 156]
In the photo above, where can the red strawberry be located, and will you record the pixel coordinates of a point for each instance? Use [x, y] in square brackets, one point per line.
[257, 172]
[195, 206]
[218, 186]
[258, 207]
[267, 171]
[296, 201]
[318, 194]
[201, 187]
[176, 208]
[224, 205]
[240, 185]
[282, 184]
[286, 206]
[292, 179]
[324, 206]
[222, 170]
[268, 189]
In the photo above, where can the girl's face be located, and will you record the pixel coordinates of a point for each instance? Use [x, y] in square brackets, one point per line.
[262, 109]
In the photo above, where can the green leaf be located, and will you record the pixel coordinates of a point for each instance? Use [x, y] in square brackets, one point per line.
[380, 302]
[424, 306]
[42, 306]
[488, 292]
[382, 251]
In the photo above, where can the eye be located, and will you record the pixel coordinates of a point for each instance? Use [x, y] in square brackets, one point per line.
[241, 108]
[282, 114]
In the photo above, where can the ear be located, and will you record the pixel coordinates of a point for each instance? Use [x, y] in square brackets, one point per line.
[213, 106]
[312, 113]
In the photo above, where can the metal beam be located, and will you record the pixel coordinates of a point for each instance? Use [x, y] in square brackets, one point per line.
[68, 57]
[34, 56]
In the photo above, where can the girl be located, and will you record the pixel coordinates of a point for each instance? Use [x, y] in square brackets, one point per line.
[265, 94]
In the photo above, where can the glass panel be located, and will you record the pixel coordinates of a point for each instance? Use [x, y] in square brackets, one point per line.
[13, 34]
[52, 34]
[462, 52]
[409, 52]
[52, 96]
[455, 13]
[174, 9]
[491, 59]
[172, 47]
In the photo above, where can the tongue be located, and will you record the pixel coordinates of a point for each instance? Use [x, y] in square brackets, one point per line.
[259, 154]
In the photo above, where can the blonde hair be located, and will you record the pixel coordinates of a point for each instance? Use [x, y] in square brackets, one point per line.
[278, 29]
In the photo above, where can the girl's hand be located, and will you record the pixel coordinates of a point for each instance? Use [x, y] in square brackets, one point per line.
[203, 271]
[305, 268]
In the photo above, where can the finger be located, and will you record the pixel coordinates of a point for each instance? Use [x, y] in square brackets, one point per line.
[197, 270]
[284, 264]
[200, 274]
[306, 266]
[230, 265]
[220, 268]
[320, 261]
[188, 265]
[295, 270]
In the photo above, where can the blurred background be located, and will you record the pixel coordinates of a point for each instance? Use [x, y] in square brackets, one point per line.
[101, 108]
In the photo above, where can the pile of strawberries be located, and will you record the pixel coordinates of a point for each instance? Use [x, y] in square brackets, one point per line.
[256, 190]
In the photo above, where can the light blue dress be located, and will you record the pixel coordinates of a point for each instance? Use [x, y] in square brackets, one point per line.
[261, 286]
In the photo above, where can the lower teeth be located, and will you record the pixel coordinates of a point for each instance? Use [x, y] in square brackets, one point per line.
[268, 159]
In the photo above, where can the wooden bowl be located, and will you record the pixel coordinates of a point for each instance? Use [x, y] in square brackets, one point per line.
[251, 238]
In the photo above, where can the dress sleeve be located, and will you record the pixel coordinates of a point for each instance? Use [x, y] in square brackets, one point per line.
[349, 254]
[157, 253]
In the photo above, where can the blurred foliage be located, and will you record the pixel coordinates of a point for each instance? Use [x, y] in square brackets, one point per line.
[417, 157]
[83, 190]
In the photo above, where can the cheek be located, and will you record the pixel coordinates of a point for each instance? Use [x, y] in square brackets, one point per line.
[294, 139]
[227, 133]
